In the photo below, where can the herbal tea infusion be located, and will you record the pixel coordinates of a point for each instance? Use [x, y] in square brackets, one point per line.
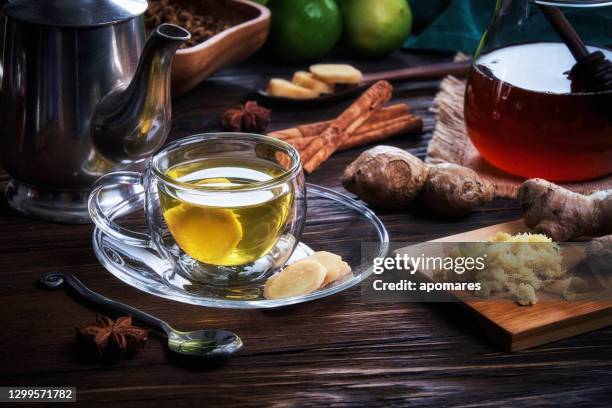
[227, 228]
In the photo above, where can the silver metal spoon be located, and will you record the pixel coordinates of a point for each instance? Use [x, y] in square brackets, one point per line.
[214, 343]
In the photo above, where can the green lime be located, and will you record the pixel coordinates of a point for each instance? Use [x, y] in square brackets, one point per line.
[376, 27]
[304, 30]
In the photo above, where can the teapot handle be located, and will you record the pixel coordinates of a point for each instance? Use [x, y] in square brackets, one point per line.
[111, 196]
[2, 37]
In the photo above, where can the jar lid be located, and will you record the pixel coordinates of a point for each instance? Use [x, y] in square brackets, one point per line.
[574, 3]
[74, 13]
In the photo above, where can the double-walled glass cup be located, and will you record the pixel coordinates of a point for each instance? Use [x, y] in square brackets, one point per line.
[225, 208]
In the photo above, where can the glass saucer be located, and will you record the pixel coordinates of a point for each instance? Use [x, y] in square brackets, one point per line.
[334, 222]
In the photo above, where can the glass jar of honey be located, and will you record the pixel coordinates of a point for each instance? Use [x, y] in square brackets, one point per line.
[524, 111]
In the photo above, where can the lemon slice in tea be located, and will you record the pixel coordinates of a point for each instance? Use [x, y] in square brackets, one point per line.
[207, 234]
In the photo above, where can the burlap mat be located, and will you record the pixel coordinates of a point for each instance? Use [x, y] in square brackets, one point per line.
[450, 143]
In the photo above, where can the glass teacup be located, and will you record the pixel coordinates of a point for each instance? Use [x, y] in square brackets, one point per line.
[224, 208]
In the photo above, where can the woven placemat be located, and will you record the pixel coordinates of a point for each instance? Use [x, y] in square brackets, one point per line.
[450, 143]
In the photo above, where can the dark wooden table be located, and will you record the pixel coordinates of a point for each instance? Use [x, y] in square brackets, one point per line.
[335, 351]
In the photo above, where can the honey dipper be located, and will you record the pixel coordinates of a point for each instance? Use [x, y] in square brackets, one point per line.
[592, 72]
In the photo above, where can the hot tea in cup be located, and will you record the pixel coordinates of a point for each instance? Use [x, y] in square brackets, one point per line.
[223, 230]
[224, 208]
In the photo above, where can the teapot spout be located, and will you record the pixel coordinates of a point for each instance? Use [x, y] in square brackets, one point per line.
[131, 122]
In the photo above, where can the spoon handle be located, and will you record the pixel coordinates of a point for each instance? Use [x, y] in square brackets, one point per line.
[459, 69]
[54, 280]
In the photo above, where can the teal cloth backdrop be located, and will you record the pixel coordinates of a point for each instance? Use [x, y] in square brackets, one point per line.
[449, 25]
[457, 25]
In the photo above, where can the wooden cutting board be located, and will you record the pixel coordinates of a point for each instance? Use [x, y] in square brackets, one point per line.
[516, 327]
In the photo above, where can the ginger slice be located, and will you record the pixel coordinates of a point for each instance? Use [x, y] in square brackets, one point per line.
[331, 262]
[345, 269]
[283, 88]
[298, 279]
[309, 81]
[337, 73]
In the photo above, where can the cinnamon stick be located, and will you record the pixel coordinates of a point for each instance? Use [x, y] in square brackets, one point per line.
[344, 125]
[300, 143]
[370, 132]
[315, 129]
[289, 134]
[388, 129]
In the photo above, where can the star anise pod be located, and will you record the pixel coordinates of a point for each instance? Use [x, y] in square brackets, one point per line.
[113, 339]
[250, 117]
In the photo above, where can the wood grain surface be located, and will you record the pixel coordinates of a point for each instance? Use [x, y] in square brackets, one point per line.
[336, 351]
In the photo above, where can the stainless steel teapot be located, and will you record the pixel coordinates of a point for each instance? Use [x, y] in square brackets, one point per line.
[82, 95]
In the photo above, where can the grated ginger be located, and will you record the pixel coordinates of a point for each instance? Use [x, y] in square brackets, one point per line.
[517, 264]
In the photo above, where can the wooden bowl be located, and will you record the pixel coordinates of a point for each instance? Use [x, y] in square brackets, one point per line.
[250, 26]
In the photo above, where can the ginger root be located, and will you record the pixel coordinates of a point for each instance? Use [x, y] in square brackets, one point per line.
[454, 190]
[563, 214]
[389, 177]
[385, 176]
[598, 258]
[601, 246]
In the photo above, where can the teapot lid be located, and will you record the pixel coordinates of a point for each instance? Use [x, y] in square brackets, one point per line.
[74, 13]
